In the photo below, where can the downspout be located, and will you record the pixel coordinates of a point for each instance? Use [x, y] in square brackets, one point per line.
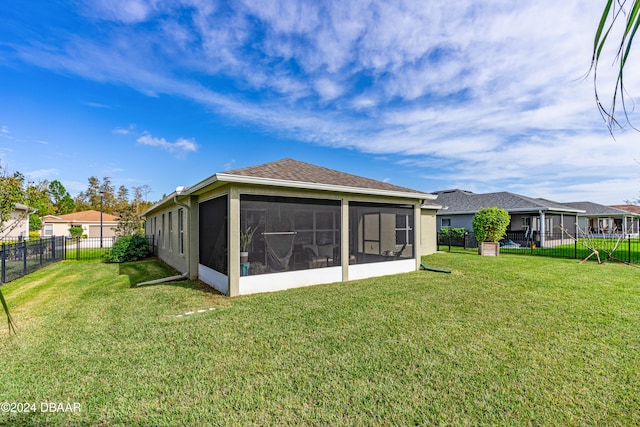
[165, 279]
[179, 191]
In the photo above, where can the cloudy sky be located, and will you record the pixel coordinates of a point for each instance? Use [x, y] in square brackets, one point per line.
[480, 95]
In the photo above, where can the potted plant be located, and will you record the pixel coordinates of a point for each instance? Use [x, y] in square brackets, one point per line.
[489, 226]
[246, 236]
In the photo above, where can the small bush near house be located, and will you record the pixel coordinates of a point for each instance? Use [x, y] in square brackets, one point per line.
[75, 231]
[34, 235]
[490, 224]
[128, 248]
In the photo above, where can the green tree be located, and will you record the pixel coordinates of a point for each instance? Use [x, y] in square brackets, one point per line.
[490, 224]
[129, 223]
[38, 198]
[97, 192]
[11, 192]
[61, 201]
[626, 14]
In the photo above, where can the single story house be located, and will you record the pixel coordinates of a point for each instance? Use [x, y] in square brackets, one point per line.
[293, 224]
[58, 225]
[17, 226]
[628, 208]
[533, 220]
[601, 221]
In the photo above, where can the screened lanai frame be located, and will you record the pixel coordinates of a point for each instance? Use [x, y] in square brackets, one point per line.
[289, 233]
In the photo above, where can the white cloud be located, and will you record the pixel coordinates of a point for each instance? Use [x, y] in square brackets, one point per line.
[124, 131]
[482, 93]
[180, 146]
[328, 89]
[43, 173]
[127, 11]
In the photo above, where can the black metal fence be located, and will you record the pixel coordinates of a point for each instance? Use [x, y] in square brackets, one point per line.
[553, 244]
[19, 258]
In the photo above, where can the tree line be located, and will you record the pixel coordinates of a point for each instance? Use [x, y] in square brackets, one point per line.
[52, 198]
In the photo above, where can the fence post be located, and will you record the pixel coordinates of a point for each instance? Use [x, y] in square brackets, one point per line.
[77, 248]
[575, 245]
[629, 249]
[3, 262]
[24, 257]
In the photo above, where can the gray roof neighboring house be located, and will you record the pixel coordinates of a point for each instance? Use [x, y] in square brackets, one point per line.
[595, 209]
[466, 202]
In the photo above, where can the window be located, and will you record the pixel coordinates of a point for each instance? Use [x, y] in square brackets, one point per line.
[380, 232]
[404, 229]
[170, 231]
[162, 232]
[445, 222]
[289, 233]
[48, 229]
[181, 231]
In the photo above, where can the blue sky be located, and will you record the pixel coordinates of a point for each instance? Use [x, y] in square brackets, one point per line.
[479, 95]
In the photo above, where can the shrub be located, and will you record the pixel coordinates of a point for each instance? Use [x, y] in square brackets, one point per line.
[75, 231]
[453, 232]
[490, 224]
[128, 248]
[34, 235]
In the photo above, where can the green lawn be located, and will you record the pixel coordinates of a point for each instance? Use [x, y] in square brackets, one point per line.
[510, 340]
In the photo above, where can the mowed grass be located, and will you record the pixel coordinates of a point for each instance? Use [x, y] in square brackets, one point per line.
[511, 340]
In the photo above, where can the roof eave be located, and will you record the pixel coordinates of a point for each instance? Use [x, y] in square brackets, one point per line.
[242, 179]
[522, 210]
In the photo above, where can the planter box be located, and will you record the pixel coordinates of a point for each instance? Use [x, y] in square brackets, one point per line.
[489, 248]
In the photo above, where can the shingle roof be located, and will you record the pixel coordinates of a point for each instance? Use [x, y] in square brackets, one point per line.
[297, 171]
[84, 216]
[460, 201]
[591, 208]
[628, 208]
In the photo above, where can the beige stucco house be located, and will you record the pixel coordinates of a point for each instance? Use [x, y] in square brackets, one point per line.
[17, 226]
[58, 225]
[296, 224]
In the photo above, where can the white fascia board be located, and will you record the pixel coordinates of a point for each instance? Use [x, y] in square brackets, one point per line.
[321, 187]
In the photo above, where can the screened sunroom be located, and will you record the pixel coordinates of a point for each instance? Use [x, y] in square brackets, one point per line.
[258, 233]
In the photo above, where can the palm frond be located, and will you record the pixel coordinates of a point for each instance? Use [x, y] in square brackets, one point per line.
[613, 14]
[12, 327]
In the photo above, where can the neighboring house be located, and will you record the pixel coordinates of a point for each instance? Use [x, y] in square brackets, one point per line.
[533, 220]
[17, 227]
[58, 225]
[628, 208]
[601, 220]
[308, 225]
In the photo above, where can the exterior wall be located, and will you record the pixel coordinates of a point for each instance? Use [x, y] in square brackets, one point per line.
[16, 226]
[89, 229]
[167, 244]
[233, 284]
[428, 240]
[457, 221]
